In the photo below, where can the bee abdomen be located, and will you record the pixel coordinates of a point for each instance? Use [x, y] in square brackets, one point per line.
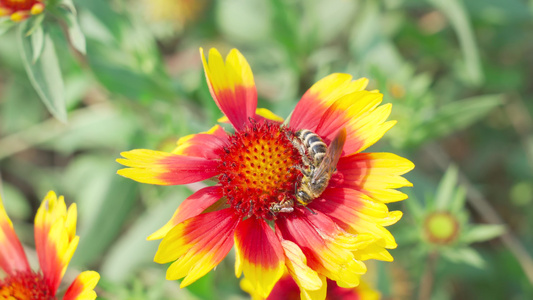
[314, 144]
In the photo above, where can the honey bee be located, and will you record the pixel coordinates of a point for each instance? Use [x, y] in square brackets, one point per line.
[319, 163]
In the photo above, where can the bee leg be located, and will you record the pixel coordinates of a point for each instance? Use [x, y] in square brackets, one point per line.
[250, 210]
[310, 210]
[303, 153]
[306, 172]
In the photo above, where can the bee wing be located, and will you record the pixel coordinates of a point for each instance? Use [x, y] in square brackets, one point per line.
[333, 154]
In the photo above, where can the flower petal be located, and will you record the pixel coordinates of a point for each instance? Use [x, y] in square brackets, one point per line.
[162, 168]
[232, 85]
[260, 114]
[320, 96]
[296, 262]
[359, 113]
[355, 212]
[82, 288]
[198, 245]
[375, 174]
[259, 255]
[319, 294]
[190, 207]
[12, 257]
[205, 144]
[55, 237]
[327, 247]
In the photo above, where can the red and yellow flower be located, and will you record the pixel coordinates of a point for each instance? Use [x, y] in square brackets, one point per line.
[55, 243]
[20, 10]
[258, 166]
[287, 289]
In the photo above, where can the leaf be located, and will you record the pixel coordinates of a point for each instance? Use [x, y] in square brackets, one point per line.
[5, 25]
[37, 43]
[67, 10]
[45, 73]
[446, 189]
[483, 232]
[456, 13]
[458, 200]
[456, 115]
[464, 256]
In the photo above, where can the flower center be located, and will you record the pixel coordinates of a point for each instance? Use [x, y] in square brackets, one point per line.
[257, 169]
[441, 228]
[25, 285]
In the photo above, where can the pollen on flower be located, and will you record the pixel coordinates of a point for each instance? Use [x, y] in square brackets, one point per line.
[257, 169]
[25, 285]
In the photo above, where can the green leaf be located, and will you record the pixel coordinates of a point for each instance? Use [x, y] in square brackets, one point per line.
[446, 189]
[5, 25]
[464, 256]
[458, 200]
[67, 10]
[481, 233]
[456, 13]
[37, 43]
[45, 73]
[457, 115]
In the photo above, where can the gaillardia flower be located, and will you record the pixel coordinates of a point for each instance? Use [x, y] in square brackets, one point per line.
[55, 242]
[262, 167]
[287, 289]
[20, 10]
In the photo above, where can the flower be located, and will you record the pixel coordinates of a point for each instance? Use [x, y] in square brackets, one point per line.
[259, 167]
[287, 289]
[55, 242]
[20, 10]
[440, 226]
[177, 12]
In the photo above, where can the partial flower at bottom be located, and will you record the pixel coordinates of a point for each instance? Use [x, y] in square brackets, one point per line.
[19, 10]
[300, 197]
[287, 289]
[55, 243]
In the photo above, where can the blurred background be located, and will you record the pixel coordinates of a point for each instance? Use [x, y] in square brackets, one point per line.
[127, 74]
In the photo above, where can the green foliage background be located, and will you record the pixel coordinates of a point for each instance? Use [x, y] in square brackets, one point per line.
[112, 77]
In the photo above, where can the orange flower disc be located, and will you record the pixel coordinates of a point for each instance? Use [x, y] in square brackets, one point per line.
[25, 285]
[258, 167]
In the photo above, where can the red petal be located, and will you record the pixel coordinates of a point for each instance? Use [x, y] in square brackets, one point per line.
[156, 167]
[319, 98]
[232, 86]
[12, 257]
[190, 207]
[360, 115]
[327, 247]
[355, 212]
[204, 145]
[198, 245]
[259, 255]
[375, 174]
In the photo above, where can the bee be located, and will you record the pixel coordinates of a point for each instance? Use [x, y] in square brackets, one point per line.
[319, 163]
